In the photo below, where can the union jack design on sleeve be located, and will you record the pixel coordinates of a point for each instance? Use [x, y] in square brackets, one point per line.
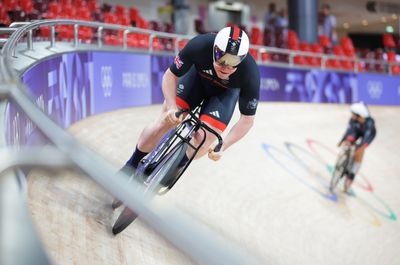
[178, 62]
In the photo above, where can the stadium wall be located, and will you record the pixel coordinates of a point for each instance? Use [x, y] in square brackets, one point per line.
[73, 86]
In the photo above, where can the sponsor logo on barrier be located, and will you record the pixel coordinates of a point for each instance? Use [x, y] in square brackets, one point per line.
[106, 80]
[134, 80]
[271, 84]
[375, 89]
[40, 102]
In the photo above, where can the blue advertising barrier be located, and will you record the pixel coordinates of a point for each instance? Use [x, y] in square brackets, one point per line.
[73, 86]
[376, 89]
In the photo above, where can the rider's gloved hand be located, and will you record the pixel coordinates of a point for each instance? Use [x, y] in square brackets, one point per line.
[215, 155]
[171, 117]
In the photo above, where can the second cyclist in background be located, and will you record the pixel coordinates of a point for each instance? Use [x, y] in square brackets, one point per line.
[361, 132]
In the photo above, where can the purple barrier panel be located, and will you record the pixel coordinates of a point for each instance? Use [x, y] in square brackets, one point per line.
[378, 89]
[15, 124]
[296, 85]
[60, 87]
[120, 80]
[159, 64]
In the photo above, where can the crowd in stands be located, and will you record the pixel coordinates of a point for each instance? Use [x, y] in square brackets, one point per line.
[87, 10]
[274, 34]
[344, 54]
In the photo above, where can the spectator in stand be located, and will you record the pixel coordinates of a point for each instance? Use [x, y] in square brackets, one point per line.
[281, 27]
[269, 25]
[281, 19]
[165, 12]
[327, 24]
[180, 16]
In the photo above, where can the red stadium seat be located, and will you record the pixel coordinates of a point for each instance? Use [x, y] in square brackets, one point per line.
[332, 63]
[391, 56]
[54, 8]
[265, 57]
[299, 60]
[120, 10]
[93, 5]
[27, 6]
[111, 39]
[395, 69]
[10, 5]
[134, 15]
[110, 18]
[182, 44]
[132, 40]
[254, 53]
[326, 43]
[255, 36]
[388, 41]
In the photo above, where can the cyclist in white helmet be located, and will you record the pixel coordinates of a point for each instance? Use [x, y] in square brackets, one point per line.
[361, 131]
[216, 69]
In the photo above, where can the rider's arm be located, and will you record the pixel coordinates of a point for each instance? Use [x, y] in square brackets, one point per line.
[369, 134]
[350, 133]
[248, 101]
[239, 130]
[169, 84]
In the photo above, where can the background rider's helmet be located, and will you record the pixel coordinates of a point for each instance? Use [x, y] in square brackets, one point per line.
[359, 109]
[231, 46]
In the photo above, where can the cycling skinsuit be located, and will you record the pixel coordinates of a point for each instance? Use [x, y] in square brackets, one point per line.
[365, 132]
[199, 81]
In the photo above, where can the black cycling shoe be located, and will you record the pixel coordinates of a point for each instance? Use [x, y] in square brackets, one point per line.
[129, 171]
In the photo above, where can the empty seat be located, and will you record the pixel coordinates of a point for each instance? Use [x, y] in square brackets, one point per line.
[388, 41]
[255, 36]
[254, 53]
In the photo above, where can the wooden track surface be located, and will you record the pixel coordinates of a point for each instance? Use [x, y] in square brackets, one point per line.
[268, 193]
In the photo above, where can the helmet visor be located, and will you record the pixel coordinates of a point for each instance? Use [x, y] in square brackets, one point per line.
[227, 59]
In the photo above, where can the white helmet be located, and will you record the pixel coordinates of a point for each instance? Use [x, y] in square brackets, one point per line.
[231, 46]
[359, 109]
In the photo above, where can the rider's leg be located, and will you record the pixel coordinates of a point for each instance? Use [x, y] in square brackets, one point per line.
[358, 155]
[198, 138]
[150, 137]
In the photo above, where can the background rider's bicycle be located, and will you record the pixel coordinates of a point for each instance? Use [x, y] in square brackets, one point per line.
[343, 167]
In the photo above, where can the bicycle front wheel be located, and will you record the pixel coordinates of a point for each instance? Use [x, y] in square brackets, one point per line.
[167, 169]
[126, 217]
[339, 172]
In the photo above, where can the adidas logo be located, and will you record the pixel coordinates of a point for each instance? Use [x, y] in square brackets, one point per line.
[208, 72]
[215, 113]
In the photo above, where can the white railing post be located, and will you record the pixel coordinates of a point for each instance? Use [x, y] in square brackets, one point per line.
[76, 36]
[100, 37]
[52, 36]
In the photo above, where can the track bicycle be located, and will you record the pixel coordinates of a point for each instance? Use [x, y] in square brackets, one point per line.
[159, 171]
[343, 166]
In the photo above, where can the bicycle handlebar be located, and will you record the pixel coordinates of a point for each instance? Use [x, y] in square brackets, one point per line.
[203, 125]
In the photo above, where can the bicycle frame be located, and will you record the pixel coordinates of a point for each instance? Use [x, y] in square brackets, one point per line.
[343, 165]
[183, 132]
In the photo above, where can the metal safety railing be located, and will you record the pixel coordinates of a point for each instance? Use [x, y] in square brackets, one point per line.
[18, 241]
[355, 63]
